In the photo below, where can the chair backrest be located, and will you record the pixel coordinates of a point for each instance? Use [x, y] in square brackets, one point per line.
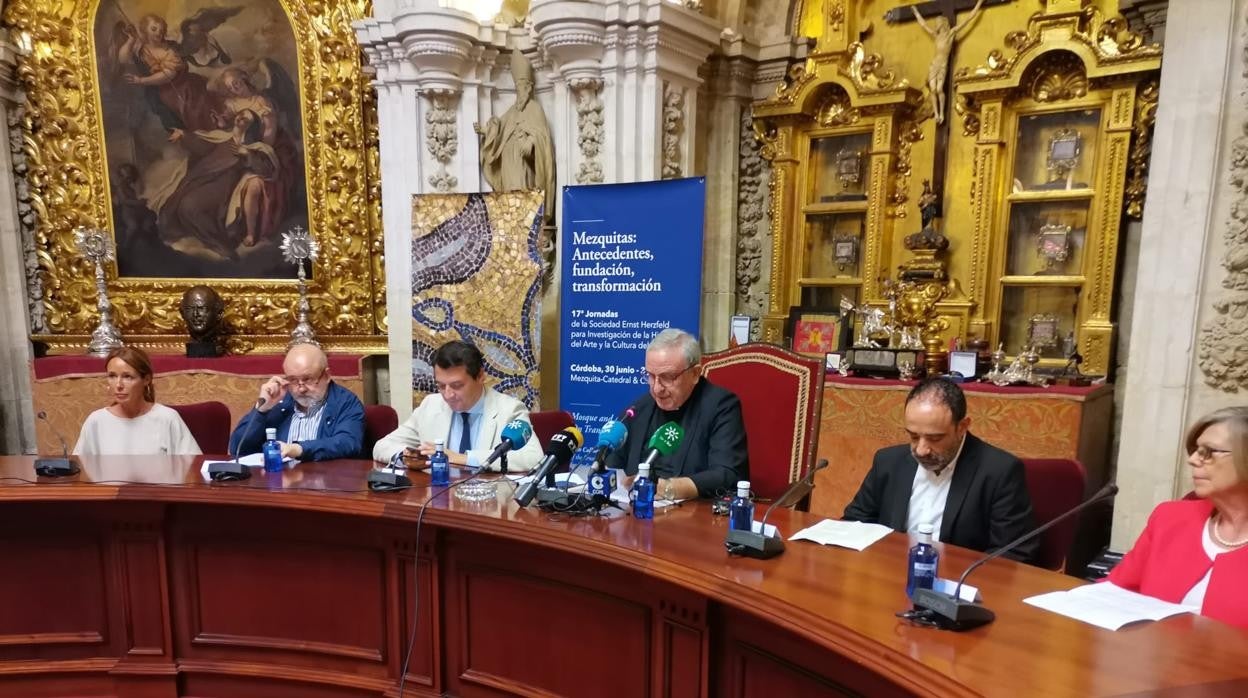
[547, 424]
[780, 393]
[379, 421]
[1056, 485]
[209, 423]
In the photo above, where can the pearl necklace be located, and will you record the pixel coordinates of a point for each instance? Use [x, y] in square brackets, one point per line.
[1213, 532]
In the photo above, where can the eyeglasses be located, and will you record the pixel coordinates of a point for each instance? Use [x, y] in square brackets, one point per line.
[305, 382]
[668, 379]
[1206, 454]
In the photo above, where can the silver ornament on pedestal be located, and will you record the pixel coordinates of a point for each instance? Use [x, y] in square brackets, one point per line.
[298, 246]
[95, 246]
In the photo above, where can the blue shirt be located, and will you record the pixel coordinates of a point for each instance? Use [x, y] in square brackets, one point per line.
[476, 415]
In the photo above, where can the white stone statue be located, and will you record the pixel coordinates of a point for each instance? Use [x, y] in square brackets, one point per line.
[517, 151]
[944, 37]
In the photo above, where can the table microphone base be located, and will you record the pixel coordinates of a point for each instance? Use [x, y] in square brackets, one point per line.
[388, 480]
[751, 544]
[228, 471]
[949, 613]
[55, 467]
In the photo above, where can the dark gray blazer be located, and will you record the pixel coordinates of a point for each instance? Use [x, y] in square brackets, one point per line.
[713, 452]
[988, 504]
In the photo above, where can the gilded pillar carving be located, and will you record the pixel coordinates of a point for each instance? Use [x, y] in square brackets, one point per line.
[753, 236]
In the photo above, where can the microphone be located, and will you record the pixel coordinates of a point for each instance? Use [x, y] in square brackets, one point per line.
[228, 471]
[516, 434]
[55, 467]
[610, 438]
[558, 452]
[390, 478]
[759, 545]
[664, 442]
[951, 612]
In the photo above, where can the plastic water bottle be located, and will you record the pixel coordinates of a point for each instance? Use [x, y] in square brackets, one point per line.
[272, 452]
[439, 466]
[923, 562]
[643, 494]
[741, 510]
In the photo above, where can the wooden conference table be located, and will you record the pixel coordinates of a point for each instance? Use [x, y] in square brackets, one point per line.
[137, 578]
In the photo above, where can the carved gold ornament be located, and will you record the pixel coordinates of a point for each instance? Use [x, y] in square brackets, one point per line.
[62, 126]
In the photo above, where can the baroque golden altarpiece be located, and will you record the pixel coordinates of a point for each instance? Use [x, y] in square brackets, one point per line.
[1047, 149]
[69, 188]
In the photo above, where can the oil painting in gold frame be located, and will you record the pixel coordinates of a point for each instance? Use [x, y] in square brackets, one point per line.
[328, 132]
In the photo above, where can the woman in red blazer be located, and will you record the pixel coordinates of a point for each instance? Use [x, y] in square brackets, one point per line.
[1195, 551]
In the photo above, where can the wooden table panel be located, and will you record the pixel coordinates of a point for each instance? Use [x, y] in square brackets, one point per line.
[660, 599]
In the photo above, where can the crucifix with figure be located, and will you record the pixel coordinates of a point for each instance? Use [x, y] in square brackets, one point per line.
[945, 29]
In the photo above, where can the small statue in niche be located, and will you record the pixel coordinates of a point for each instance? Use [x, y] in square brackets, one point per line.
[202, 310]
[517, 151]
[929, 210]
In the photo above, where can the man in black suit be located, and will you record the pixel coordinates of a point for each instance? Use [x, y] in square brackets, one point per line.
[974, 495]
[712, 456]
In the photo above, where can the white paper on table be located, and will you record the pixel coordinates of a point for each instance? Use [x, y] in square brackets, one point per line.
[968, 594]
[855, 535]
[251, 460]
[1106, 606]
[571, 481]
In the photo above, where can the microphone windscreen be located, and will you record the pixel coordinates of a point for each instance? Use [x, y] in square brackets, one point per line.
[667, 438]
[518, 432]
[564, 443]
[612, 435]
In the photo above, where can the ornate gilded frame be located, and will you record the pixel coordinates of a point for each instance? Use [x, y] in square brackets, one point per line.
[1070, 56]
[837, 93]
[63, 143]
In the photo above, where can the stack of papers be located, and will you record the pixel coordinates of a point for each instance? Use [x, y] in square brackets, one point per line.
[847, 534]
[1106, 606]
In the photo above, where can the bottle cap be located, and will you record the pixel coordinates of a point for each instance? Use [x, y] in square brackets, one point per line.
[643, 468]
[926, 529]
[743, 488]
[270, 433]
[439, 443]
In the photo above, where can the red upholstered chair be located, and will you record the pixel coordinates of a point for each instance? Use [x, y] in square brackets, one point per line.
[781, 393]
[1055, 486]
[379, 421]
[209, 423]
[547, 424]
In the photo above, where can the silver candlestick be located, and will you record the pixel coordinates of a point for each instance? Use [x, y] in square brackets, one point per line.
[298, 246]
[96, 247]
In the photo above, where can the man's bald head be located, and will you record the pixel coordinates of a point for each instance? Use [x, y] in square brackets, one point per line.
[307, 373]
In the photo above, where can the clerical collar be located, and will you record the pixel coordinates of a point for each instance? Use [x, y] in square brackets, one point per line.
[678, 414]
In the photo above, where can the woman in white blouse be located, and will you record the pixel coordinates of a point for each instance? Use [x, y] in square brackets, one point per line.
[134, 424]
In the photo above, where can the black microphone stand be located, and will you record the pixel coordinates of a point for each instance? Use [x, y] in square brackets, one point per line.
[759, 544]
[55, 467]
[951, 612]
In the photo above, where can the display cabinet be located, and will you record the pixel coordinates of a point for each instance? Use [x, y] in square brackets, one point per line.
[1060, 133]
[837, 135]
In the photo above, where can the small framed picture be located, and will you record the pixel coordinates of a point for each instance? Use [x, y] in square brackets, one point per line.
[963, 363]
[832, 362]
[739, 330]
[816, 334]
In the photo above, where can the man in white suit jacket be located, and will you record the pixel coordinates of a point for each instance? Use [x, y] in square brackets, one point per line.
[464, 414]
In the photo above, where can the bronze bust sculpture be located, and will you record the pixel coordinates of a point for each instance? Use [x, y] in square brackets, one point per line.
[202, 310]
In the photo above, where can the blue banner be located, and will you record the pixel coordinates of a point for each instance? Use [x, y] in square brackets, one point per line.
[632, 267]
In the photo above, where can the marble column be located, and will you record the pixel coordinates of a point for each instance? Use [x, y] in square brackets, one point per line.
[1180, 254]
[17, 432]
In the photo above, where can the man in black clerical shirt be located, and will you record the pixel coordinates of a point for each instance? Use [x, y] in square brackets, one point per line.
[712, 456]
